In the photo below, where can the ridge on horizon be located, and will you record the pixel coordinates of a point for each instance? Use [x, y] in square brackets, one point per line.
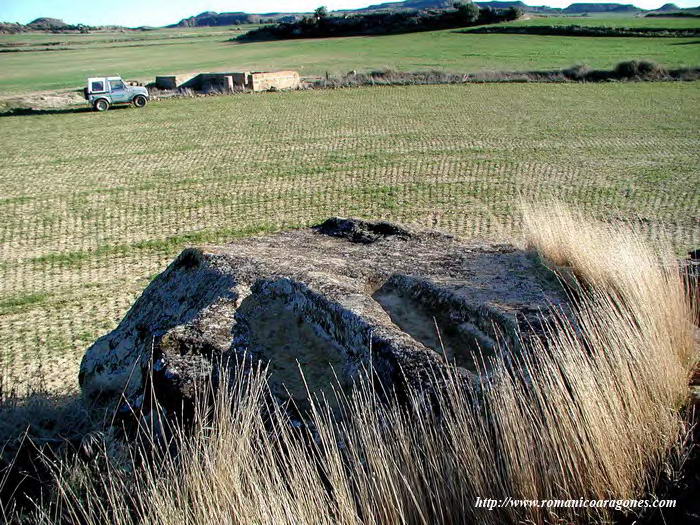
[572, 8]
[213, 18]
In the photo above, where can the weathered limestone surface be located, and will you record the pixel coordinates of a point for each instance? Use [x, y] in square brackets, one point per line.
[329, 299]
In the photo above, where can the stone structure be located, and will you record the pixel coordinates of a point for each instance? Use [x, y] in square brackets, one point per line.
[170, 82]
[275, 80]
[232, 81]
[331, 299]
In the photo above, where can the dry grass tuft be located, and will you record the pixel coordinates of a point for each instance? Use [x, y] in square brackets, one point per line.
[620, 267]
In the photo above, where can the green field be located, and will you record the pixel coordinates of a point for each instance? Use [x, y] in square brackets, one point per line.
[142, 55]
[108, 37]
[608, 20]
[94, 205]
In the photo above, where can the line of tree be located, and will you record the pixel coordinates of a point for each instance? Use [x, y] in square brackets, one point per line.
[321, 24]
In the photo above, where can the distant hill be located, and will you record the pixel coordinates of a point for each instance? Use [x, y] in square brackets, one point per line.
[540, 9]
[445, 4]
[576, 8]
[673, 11]
[407, 4]
[668, 7]
[503, 5]
[600, 8]
[210, 18]
[223, 19]
[43, 24]
[47, 24]
[213, 19]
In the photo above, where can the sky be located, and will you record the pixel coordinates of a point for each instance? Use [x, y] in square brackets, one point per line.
[132, 13]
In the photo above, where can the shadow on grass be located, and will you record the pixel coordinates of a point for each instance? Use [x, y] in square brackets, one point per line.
[37, 431]
[26, 112]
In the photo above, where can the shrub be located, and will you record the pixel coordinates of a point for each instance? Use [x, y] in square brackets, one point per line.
[467, 12]
[321, 12]
[640, 69]
[577, 72]
[514, 13]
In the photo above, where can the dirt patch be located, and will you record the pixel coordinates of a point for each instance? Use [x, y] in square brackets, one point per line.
[42, 101]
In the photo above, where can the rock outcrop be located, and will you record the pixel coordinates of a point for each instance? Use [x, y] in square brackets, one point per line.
[331, 300]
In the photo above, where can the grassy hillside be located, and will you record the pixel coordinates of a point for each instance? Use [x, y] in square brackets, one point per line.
[108, 199]
[144, 55]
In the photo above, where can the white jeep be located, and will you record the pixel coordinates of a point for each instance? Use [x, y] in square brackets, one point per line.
[102, 92]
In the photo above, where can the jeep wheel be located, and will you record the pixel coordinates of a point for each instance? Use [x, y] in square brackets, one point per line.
[101, 105]
[140, 101]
